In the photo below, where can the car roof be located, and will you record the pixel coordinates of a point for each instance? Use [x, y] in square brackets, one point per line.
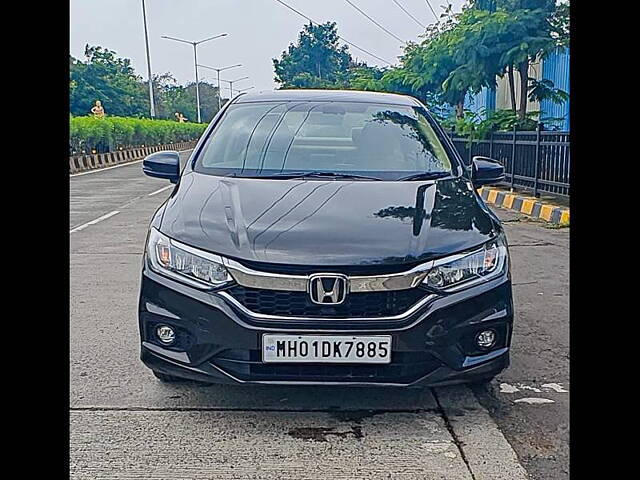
[310, 95]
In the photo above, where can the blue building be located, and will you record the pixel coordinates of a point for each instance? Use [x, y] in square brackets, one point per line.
[555, 68]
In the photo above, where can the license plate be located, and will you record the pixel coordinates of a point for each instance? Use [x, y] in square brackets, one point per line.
[326, 348]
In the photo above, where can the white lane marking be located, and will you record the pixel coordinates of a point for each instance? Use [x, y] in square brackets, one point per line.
[527, 387]
[547, 387]
[93, 222]
[161, 190]
[105, 168]
[556, 387]
[506, 388]
[534, 400]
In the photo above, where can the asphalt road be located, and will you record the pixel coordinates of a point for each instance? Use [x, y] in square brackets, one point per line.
[126, 424]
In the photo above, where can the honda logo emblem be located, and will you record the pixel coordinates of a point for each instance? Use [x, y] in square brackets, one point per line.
[328, 288]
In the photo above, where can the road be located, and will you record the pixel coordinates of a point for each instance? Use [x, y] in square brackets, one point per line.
[126, 424]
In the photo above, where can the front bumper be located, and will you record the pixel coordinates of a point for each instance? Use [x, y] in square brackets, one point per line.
[220, 343]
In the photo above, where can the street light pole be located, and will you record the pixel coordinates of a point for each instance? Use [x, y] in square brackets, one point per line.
[146, 41]
[220, 70]
[195, 64]
[231, 82]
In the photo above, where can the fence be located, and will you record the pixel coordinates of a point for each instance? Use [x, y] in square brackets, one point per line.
[539, 161]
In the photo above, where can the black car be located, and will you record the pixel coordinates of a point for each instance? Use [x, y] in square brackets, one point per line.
[325, 237]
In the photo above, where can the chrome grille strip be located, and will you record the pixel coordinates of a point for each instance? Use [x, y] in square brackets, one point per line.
[248, 277]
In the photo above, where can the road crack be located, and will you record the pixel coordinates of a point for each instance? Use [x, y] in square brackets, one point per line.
[458, 443]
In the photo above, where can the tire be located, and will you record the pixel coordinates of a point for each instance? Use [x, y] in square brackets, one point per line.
[164, 378]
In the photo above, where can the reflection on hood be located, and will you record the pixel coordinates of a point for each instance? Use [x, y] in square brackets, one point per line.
[318, 222]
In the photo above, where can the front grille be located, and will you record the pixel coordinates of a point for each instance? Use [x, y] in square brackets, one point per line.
[406, 367]
[362, 269]
[298, 304]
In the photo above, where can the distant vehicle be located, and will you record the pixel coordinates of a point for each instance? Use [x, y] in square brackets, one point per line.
[325, 237]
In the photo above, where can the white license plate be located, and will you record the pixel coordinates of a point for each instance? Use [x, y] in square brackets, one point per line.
[326, 348]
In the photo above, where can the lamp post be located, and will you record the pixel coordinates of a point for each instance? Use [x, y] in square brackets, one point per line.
[195, 63]
[220, 70]
[146, 41]
[231, 82]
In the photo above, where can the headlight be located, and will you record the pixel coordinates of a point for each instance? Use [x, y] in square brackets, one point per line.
[187, 264]
[460, 270]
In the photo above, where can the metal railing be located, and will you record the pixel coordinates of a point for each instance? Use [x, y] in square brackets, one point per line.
[539, 161]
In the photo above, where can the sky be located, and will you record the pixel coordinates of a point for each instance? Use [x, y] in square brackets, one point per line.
[257, 31]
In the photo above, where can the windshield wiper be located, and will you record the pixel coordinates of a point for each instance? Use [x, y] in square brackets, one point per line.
[317, 174]
[425, 176]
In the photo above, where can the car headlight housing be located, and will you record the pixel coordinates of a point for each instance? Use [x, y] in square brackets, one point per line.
[184, 263]
[467, 269]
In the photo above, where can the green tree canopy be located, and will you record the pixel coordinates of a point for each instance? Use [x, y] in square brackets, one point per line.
[465, 52]
[105, 77]
[315, 61]
[170, 97]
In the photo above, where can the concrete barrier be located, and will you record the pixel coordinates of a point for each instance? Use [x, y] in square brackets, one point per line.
[533, 207]
[81, 163]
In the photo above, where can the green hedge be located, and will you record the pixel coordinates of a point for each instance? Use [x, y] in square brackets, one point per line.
[113, 133]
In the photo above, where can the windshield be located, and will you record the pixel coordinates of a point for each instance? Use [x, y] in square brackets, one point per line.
[279, 138]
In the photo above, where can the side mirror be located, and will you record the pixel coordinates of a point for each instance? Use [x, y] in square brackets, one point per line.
[163, 164]
[486, 171]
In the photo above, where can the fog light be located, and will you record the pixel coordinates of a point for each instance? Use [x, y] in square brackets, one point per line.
[166, 334]
[486, 339]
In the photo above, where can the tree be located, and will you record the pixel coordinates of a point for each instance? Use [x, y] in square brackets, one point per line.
[447, 64]
[208, 99]
[315, 61]
[560, 22]
[107, 78]
[170, 97]
[537, 28]
[462, 53]
[363, 77]
[484, 36]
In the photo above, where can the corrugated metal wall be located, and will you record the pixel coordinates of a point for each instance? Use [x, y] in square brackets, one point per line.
[485, 99]
[556, 68]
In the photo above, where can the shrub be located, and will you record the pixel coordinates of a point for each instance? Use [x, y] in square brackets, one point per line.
[113, 133]
[474, 126]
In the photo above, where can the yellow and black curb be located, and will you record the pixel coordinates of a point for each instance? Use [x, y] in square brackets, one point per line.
[528, 205]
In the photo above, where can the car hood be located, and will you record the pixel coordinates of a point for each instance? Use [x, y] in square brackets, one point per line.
[326, 222]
